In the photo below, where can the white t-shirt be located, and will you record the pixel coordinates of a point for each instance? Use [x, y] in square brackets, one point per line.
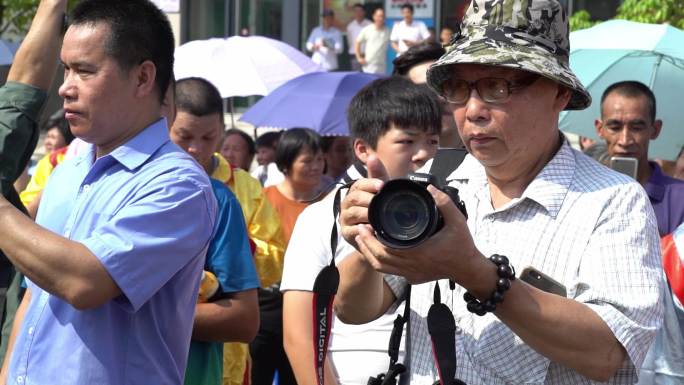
[268, 175]
[353, 30]
[376, 42]
[330, 41]
[307, 254]
[416, 31]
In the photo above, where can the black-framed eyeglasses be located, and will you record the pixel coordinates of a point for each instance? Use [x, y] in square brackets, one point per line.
[491, 90]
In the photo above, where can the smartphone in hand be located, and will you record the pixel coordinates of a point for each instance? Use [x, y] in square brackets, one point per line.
[542, 281]
[625, 165]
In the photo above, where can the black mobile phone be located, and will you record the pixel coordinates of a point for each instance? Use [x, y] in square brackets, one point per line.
[625, 165]
[542, 281]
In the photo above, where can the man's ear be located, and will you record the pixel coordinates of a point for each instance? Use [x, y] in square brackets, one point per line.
[362, 150]
[563, 97]
[598, 123]
[145, 74]
[657, 127]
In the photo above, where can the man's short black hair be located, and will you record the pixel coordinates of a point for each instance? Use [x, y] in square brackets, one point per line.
[251, 147]
[632, 89]
[293, 142]
[139, 31]
[393, 100]
[407, 6]
[198, 97]
[419, 53]
[268, 139]
[358, 5]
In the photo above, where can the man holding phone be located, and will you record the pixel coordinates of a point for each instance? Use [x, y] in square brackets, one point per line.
[628, 123]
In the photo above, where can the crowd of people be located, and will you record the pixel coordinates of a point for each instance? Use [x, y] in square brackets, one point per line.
[150, 245]
[368, 41]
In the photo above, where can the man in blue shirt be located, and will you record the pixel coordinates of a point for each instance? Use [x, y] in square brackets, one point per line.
[232, 315]
[115, 260]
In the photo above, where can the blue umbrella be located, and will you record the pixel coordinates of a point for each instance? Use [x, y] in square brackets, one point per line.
[620, 50]
[317, 100]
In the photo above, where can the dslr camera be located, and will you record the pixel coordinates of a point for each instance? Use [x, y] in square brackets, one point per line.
[404, 214]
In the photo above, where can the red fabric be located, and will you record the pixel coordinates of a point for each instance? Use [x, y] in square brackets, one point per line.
[252, 247]
[54, 156]
[672, 264]
[248, 370]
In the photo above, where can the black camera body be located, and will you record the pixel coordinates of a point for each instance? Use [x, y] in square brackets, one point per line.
[404, 214]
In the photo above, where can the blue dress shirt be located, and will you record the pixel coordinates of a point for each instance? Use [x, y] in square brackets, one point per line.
[147, 211]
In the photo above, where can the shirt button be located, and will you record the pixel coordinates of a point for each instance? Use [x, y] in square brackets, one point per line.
[30, 331]
[86, 188]
[20, 379]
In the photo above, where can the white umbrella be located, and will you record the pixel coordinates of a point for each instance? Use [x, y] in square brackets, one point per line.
[242, 66]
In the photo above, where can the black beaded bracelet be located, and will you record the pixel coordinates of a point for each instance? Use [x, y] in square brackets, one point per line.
[506, 274]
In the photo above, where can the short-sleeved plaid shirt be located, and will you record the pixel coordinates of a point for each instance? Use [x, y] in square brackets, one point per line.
[587, 227]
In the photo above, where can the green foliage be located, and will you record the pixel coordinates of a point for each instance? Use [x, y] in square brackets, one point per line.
[653, 11]
[16, 16]
[581, 20]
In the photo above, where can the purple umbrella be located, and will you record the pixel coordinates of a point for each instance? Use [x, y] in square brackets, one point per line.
[316, 100]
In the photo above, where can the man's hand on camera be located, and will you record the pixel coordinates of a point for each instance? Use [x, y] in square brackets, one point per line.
[354, 207]
[450, 253]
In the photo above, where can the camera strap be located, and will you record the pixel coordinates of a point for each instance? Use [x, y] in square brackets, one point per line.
[442, 329]
[324, 290]
[440, 319]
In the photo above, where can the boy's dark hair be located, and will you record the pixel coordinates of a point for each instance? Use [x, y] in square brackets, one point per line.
[407, 6]
[632, 89]
[292, 142]
[139, 31]
[251, 148]
[419, 53]
[268, 139]
[394, 100]
[198, 97]
[57, 120]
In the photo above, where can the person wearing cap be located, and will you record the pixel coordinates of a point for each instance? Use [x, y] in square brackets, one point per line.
[325, 42]
[532, 202]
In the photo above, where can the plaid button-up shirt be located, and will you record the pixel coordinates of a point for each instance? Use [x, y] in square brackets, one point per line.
[587, 227]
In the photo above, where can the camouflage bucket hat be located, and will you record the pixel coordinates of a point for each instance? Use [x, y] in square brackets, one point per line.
[530, 35]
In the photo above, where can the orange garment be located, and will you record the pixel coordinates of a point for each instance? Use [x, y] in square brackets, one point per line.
[288, 210]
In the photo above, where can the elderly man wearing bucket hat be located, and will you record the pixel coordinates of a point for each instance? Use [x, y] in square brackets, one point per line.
[585, 236]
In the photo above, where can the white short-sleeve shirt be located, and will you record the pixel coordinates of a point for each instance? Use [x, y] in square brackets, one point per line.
[307, 254]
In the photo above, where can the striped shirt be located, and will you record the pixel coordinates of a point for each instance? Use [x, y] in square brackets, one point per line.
[587, 227]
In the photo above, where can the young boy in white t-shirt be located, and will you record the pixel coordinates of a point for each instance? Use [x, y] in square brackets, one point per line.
[398, 123]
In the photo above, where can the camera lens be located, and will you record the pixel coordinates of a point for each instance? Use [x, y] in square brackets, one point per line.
[403, 214]
[406, 215]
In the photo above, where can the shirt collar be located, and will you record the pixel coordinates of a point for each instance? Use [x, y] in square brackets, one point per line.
[548, 188]
[137, 150]
[223, 170]
[551, 185]
[655, 187]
